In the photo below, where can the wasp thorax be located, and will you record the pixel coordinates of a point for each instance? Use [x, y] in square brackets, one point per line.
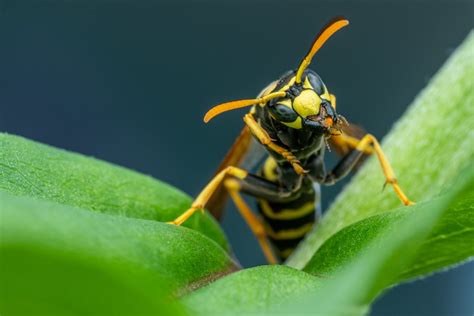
[307, 103]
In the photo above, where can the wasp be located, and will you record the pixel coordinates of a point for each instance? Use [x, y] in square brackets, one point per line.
[293, 119]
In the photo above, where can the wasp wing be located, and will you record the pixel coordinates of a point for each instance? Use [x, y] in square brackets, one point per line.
[245, 153]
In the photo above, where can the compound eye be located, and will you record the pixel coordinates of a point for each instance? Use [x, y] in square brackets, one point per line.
[316, 83]
[283, 113]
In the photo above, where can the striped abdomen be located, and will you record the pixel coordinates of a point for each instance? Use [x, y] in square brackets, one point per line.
[286, 224]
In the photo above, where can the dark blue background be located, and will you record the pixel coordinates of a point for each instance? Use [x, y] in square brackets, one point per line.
[129, 82]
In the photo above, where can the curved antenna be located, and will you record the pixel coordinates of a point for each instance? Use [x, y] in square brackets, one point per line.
[318, 42]
[232, 105]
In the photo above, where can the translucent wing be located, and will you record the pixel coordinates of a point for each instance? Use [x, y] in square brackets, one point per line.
[245, 153]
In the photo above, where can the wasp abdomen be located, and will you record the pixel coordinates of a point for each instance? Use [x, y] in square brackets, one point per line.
[287, 223]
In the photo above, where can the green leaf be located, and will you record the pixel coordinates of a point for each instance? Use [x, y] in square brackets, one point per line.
[451, 241]
[428, 148]
[183, 257]
[391, 254]
[42, 282]
[356, 264]
[31, 169]
[250, 291]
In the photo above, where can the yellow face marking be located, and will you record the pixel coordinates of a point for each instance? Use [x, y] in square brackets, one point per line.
[307, 103]
[297, 124]
[307, 84]
[332, 98]
[326, 95]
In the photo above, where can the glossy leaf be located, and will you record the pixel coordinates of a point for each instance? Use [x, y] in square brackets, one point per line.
[450, 241]
[183, 257]
[250, 291]
[390, 255]
[31, 169]
[48, 282]
[356, 264]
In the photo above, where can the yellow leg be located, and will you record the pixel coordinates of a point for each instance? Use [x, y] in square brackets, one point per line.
[254, 223]
[203, 197]
[265, 139]
[369, 140]
[233, 188]
[353, 142]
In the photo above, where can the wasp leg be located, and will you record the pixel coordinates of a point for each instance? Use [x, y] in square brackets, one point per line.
[203, 197]
[233, 187]
[351, 142]
[347, 163]
[251, 184]
[265, 139]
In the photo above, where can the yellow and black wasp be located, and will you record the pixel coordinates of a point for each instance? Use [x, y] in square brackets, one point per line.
[293, 118]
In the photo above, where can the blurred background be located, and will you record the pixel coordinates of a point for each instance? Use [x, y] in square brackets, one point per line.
[129, 82]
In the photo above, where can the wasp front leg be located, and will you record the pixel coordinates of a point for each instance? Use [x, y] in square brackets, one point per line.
[265, 139]
[368, 144]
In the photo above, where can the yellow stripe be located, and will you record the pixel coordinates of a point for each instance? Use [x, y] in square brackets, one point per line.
[269, 169]
[288, 233]
[286, 213]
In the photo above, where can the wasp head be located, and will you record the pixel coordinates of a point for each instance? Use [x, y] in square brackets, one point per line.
[299, 99]
[307, 104]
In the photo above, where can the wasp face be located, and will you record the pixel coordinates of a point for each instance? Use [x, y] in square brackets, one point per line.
[305, 105]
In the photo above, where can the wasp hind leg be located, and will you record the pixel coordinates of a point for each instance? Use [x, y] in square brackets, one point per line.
[200, 202]
[231, 177]
[368, 144]
[233, 187]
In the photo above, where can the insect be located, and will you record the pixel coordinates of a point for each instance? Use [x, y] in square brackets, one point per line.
[293, 119]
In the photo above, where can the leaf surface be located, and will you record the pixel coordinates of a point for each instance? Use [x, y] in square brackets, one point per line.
[356, 264]
[391, 254]
[28, 168]
[249, 291]
[183, 257]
